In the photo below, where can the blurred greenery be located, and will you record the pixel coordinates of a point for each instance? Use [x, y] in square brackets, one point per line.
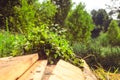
[99, 51]
[79, 24]
[11, 44]
[57, 30]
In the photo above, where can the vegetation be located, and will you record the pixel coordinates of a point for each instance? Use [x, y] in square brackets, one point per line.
[101, 20]
[79, 24]
[106, 75]
[10, 44]
[63, 8]
[56, 30]
[36, 36]
[45, 12]
[113, 33]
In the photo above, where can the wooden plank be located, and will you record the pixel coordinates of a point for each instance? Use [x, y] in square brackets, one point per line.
[48, 72]
[12, 68]
[5, 59]
[88, 73]
[35, 72]
[66, 71]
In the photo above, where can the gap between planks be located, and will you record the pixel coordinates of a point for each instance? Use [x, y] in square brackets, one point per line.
[35, 72]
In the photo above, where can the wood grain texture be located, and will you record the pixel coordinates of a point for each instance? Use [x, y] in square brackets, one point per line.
[66, 71]
[13, 68]
[88, 73]
[35, 72]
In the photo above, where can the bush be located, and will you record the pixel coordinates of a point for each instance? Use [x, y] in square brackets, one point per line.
[34, 36]
[10, 44]
[110, 57]
[80, 49]
[40, 39]
[48, 44]
[113, 33]
[99, 51]
[79, 24]
[5, 41]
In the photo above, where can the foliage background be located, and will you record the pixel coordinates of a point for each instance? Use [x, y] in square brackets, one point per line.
[56, 30]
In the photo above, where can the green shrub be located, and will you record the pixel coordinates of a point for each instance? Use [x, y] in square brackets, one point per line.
[79, 24]
[18, 45]
[110, 57]
[33, 35]
[40, 40]
[45, 12]
[5, 43]
[102, 40]
[9, 42]
[53, 45]
[113, 33]
[98, 52]
[80, 49]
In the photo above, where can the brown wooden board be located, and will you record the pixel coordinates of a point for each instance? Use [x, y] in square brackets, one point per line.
[35, 72]
[88, 72]
[66, 71]
[48, 71]
[13, 68]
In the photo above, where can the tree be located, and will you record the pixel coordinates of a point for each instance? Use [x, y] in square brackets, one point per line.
[6, 10]
[113, 33]
[79, 24]
[24, 17]
[63, 7]
[19, 14]
[114, 7]
[45, 12]
[102, 20]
